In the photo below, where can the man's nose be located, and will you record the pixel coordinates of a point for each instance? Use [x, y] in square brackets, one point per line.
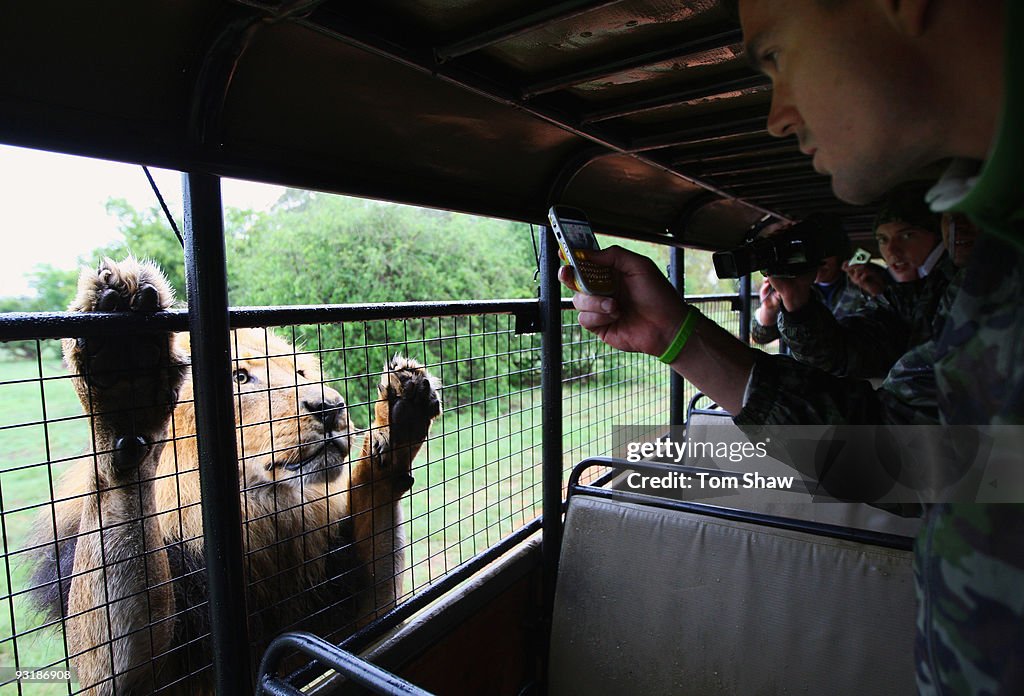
[783, 118]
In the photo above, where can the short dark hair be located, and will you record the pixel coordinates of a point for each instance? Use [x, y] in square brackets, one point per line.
[906, 203]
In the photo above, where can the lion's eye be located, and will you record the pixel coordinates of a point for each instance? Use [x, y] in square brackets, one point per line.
[241, 376]
[301, 373]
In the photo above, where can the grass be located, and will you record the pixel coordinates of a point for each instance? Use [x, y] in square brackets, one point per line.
[477, 479]
[27, 444]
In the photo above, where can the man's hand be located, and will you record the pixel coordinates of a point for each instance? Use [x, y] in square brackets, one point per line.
[645, 311]
[768, 310]
[644, 315]
[794, 292]
[869, 277]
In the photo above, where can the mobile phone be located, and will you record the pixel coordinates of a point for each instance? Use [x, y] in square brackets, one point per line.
[575, 238]
[860, 256]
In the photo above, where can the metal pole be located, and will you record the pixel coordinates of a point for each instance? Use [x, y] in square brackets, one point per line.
[206, 279]
[551, 413]
[744, 332]
[677, 385]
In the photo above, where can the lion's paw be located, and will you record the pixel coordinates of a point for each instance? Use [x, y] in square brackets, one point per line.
[413, 397]
[130, 285]
[129, 382]
[409, 401]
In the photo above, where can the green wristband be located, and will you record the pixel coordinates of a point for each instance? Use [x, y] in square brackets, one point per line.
[676, 346]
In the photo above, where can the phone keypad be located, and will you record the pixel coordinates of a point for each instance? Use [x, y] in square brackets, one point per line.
[596, 277]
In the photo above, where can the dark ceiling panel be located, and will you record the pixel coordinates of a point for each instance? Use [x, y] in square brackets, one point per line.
[637, 110]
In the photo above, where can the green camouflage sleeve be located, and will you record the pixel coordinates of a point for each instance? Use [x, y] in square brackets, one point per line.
[863, 344]
[969, 566]
[850, 300]
[763, 334]
[785, 392]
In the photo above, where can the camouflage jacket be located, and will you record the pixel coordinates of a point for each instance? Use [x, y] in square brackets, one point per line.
[969, 557]
[867, 341]
[846, 300]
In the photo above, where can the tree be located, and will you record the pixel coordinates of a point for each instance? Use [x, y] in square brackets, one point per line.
[319, 249]
[54, 287]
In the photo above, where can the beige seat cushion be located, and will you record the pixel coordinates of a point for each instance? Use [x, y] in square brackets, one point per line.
[654, 601]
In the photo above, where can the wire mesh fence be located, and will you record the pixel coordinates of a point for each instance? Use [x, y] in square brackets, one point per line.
[337, 475]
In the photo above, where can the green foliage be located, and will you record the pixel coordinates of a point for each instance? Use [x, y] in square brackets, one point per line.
[317, 249]
[54, 287]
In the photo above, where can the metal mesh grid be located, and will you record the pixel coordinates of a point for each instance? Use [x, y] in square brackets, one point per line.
[477, 476]
[42, 435]
[604, 388]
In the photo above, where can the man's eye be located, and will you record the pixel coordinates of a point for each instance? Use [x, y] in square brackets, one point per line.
[770, 58]
[241, 376]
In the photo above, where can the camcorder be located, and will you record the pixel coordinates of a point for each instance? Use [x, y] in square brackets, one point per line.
[794, 251]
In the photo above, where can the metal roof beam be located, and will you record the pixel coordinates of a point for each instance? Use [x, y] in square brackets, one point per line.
[783, 162]
[758, 150]
[796, 198]
[522, 25]
[729, 124]
[709, 87]
[752, 187]
[677, 50]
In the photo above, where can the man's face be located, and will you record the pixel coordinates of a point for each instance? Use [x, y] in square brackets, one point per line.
[904, 248]
[958, 235]
[843, 85]
[829, 271]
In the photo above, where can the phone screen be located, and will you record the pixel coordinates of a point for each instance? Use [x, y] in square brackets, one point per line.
[574, 238]
[578, 235]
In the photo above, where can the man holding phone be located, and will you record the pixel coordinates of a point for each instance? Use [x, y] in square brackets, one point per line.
[874, 90]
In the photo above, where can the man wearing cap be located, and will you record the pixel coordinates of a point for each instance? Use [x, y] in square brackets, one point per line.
[867, 342]
[908, 234]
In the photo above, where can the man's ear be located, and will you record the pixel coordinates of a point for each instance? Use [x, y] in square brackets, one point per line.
[909, 17]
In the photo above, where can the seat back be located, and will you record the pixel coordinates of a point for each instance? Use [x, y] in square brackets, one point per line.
[652, 600]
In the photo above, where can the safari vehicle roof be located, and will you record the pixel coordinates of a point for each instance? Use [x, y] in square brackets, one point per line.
[642, 112]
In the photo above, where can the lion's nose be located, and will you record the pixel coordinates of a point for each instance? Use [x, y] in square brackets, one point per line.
[327, 411]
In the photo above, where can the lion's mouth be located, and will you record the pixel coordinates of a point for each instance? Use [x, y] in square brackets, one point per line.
[325, 454]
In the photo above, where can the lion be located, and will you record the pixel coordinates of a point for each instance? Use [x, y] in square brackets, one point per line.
[324, 543]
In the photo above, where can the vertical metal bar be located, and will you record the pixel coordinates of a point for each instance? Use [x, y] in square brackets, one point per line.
[551, 413]
[677, 385]
[206, 279]
[745, 311]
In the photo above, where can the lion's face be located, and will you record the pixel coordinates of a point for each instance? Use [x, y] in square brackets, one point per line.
[291, 428]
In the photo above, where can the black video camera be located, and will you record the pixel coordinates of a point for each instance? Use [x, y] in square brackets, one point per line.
[796, 250]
